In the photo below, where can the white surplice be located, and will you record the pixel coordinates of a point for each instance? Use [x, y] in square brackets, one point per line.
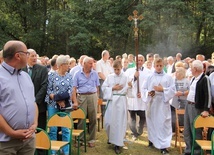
[135, 103]
[115, 119]
[158, 113]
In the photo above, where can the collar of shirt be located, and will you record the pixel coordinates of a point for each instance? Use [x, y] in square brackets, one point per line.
[161, 73]
[198, 77]
[119, 74]
[104, 61]
[139, 68]
[84, 72]
[10, 69]
[29, 67]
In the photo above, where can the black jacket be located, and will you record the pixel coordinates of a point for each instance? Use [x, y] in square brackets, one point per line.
[203, 93]
[39, 78]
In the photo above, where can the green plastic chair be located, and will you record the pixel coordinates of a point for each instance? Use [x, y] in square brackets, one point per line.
[61, 119]
[201, 123]
[43, 141]
[79, 114]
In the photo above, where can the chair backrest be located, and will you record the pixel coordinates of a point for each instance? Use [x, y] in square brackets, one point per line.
[60, 119]
[79, 113]
[42, 139]
[201, 122]
[180, 111]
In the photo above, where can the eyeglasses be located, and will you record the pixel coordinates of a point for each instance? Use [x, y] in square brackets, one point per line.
[27, 53]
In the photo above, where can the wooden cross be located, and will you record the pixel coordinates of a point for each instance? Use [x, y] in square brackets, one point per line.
[136, 18]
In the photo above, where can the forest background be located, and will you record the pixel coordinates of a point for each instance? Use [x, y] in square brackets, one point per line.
[77, 27]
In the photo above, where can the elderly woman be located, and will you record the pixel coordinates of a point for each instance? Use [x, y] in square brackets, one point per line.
[72, 62]
[182, 89]
[59, 84]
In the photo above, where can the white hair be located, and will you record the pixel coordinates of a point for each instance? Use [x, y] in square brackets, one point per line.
[141, 56]
[198, 65]
[124, 55]
[31, 50]
[87, 59]
[170, 58]
[104, 52]
[61, 60]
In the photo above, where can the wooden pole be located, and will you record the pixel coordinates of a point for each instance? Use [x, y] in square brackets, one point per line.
[136, 18]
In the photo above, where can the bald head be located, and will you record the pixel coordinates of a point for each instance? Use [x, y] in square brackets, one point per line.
[11, 47]
[15, 54]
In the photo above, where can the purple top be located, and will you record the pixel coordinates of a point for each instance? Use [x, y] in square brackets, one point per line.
[75, 69]
[86, 84]
[17, 100]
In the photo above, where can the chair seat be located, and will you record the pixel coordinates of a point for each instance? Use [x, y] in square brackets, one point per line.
[204, 144]
[77, 132]
[57, 145]
[41, 148]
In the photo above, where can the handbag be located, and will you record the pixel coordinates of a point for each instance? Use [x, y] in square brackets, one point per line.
[60, 97]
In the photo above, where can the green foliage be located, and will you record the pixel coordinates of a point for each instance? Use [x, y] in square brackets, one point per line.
[78, 27]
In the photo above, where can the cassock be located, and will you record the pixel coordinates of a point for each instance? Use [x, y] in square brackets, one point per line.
[158, 113]
[115, 119]
[135, 103]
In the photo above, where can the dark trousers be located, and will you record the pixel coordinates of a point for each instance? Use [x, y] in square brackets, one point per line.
[103, 107]
[137, 128]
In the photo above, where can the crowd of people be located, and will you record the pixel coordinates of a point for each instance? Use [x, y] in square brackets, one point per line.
[138, 94]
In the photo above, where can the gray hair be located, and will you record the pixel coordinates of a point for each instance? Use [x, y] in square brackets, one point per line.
[61, 60]
[104, 52]
[198, 65]
[87, 59]
[141, 56]
[72, 59]
[156, 56]
[170, 58]
[179, 55]
[31, 50]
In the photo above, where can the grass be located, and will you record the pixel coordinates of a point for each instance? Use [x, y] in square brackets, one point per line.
[138, 147]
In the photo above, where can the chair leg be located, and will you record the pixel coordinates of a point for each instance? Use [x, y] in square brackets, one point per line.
[193, 150]
[98, 121]
[102, 121]
[85, 139]
[58, 152]
[176, 138]
[78, 151]
[179, 139]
